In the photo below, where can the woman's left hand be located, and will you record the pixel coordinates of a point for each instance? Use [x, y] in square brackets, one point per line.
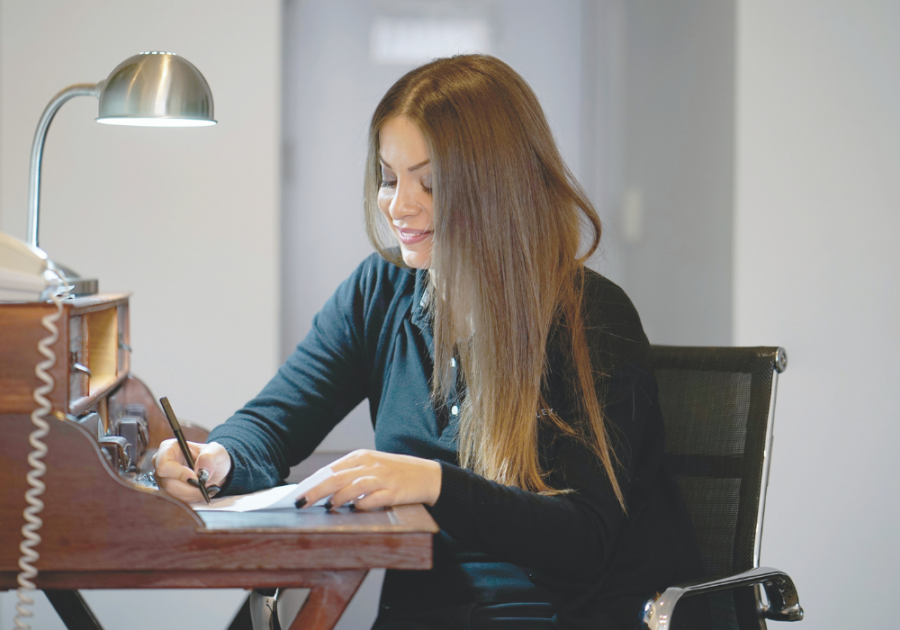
[380, 479]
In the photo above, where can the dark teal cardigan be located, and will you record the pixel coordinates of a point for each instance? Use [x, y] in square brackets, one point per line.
[577, 551]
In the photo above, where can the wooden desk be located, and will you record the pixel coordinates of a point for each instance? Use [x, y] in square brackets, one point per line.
[101, 531]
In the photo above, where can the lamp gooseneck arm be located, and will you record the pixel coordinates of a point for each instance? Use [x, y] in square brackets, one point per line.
[37, 150]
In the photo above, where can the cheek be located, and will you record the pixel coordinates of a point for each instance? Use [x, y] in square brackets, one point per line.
[384, 204]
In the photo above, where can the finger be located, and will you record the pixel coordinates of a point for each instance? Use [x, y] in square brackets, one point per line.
[327, 488]
[359, 457]
[169, 469]
[180, 490]
[206, 460]
[169, 450]
[331, 485]
[210, 490]
[357, 488]
[374, 501]
[213, 458]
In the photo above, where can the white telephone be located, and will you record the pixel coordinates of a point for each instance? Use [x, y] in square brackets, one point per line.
[28, 275]
[22, 269]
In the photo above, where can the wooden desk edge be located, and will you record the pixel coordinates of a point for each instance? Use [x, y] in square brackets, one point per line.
[415, 518]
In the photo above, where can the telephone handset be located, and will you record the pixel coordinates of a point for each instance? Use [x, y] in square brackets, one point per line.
[28, 275]
[22, 269]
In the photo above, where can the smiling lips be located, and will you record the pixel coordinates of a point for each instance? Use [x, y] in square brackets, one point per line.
[410, 237]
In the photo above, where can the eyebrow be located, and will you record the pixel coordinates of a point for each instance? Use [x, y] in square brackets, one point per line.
[411, 168]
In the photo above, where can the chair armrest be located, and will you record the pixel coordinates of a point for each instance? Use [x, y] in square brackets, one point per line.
[784, 604]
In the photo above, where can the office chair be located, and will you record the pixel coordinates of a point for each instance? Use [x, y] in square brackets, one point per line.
[718, 406]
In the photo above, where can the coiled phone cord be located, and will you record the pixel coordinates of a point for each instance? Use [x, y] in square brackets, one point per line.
[38, 468]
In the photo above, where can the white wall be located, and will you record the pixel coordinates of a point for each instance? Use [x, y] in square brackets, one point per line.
[186, 219]
[817, 270]
[677, 153]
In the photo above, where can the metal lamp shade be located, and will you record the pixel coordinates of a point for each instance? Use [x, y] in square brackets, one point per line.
[156, 89]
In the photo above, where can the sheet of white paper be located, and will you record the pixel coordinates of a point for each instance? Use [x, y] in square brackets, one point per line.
[277, 498]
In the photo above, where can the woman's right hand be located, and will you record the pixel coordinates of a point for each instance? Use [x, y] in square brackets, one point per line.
[174, 476]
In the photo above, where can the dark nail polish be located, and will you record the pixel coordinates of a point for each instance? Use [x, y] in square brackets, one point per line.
[328, 504]
[203, 475]
[352, 507]
[211, 491]
[194, 482]
[299, 503]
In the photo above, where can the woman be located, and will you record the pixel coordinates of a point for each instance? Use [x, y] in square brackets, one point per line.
[510, 387]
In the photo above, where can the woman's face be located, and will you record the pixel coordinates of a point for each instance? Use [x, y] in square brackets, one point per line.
[405, 193]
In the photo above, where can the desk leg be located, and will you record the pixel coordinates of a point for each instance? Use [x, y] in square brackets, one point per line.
[330, 593]
[73, 610]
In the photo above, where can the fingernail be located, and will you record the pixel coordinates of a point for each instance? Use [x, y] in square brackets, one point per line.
[194, 482]
[212, 491]
[299, 503]
[352, 507]
[202, 475]
[328, 504]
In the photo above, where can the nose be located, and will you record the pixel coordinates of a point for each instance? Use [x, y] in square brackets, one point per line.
[405, 202]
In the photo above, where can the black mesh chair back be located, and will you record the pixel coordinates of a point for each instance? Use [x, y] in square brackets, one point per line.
[718, 407]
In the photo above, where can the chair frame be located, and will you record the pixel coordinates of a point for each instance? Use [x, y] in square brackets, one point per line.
[782, 601]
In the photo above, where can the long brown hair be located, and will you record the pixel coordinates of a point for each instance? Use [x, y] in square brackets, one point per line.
[505, 262]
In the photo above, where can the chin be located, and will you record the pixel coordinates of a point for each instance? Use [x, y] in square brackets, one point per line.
[416, 260]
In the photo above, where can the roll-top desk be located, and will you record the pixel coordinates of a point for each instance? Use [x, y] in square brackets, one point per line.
[103, 529]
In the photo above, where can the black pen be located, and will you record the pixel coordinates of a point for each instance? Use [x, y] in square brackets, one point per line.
[176, 429]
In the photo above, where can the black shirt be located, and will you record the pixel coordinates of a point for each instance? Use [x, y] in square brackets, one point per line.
[497, 544]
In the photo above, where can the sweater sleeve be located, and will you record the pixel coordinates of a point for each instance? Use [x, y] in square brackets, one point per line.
[572, 534]
[322, 381]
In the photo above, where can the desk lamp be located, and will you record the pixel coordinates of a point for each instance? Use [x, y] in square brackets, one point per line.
[152, 89]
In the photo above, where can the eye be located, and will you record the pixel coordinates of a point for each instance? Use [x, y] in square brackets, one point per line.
[426, 185]
[388, 183]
